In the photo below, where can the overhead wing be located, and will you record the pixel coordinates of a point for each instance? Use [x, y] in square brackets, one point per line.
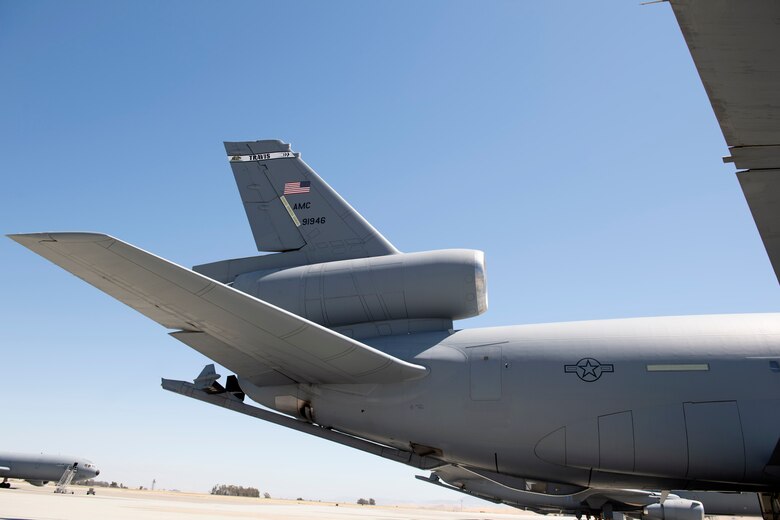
[249, 335]
[735, 45]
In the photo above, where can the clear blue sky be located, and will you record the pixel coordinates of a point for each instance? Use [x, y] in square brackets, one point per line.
[571, 141]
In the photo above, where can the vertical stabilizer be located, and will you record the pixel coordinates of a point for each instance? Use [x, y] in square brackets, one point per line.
[290, 208]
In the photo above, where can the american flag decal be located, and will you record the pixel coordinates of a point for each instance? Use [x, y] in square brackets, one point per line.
[291, 188]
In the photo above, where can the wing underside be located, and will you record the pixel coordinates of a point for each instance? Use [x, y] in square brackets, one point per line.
[258, 341]
[735, 46]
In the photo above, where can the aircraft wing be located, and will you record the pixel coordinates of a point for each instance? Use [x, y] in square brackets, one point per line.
[247, 335]
[5, 468]
[735, 46]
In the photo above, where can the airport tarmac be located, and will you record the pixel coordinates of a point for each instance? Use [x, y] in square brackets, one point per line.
[27, 502]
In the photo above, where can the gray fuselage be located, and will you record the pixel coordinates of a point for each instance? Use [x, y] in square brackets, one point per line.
[657, 403]
[40, 468]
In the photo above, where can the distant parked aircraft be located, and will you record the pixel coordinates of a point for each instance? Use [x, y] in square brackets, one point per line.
[40, 469]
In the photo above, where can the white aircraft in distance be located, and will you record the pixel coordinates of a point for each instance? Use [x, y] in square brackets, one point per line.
[39, 469]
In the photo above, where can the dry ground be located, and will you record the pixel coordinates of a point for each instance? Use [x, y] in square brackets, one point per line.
[26, 502]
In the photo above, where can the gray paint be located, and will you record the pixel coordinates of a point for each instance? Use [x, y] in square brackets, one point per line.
[762, 191]
[714, 427]
[447, 284]
[475, 411]
[552, 498]
[569, 405]
[738, 348]
[735, 46]
[485, 373]
[616, 442]
[345, 233]
[40, 468]
[181, 299]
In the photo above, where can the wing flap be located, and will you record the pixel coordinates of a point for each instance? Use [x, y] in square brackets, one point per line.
[179, 298]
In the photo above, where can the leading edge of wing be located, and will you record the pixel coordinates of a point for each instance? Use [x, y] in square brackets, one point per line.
[179, 298]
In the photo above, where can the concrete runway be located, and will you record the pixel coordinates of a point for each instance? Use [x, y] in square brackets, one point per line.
[26, 502]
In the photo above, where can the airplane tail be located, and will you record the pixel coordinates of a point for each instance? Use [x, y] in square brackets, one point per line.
[290, 208]
[331, 266]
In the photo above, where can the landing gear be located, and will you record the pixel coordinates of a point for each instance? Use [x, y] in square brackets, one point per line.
[770, 505]
[5, 484]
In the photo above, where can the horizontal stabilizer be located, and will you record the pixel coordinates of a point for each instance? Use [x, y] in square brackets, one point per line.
[264, 336]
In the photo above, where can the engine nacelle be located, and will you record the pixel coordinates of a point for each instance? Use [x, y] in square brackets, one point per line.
[675, 509]
[446, 284]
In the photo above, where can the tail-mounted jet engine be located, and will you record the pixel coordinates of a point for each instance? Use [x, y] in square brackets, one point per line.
[675, 509]
[447, 284]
